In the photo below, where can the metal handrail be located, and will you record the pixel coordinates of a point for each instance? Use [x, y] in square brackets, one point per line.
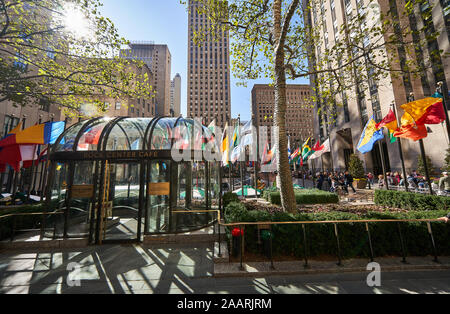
[42, 229]
[242, 225]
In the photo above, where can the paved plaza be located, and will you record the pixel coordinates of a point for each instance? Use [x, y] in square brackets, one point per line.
[170, 269]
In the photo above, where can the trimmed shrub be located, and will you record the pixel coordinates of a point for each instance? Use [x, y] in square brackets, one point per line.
[321, 240]
[229, 198]
[307, 197]
[411, 201]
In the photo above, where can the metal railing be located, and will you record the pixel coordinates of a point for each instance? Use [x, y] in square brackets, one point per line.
[335, 223]
[43, 225]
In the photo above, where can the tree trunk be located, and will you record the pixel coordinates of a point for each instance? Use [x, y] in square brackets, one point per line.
[284, 170]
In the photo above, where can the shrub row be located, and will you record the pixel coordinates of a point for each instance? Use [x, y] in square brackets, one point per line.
[411, 201]
[27, 222]
[321, 240]
[303, 197]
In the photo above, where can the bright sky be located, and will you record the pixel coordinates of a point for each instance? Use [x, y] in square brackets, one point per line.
[166, 22]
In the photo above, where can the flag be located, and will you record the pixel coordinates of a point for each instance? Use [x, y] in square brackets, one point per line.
[369, 136]
[212, 127]
[325, 148]
[268, 155]
[412, 132]
[247, 134]
[425, 111]
[390, 122]
[236, 154]
[225, 147]
[306, 150]
[42, 134]
[289, 149]
[296, 154]
[17, 155]
[236, 138]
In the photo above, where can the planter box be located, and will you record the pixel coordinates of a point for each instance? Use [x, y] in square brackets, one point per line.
[360, 184]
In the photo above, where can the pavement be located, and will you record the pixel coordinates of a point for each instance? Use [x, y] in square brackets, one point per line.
[185, 269]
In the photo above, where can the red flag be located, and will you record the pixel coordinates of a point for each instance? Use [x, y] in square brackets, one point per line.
[412, 132]
[435, 114]
[387, 120]
[318, 147]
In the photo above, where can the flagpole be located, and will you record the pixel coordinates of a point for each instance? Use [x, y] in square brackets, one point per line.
[383, 164]
[442, 88]
[33, 176]
[255, 163]
[241, 162]
[422, 152]
[400, 149]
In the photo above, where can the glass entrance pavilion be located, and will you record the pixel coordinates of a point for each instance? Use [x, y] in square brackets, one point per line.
[117, 179]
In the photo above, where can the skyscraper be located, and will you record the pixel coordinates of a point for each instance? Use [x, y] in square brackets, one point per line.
[159, 61]
[208, 92]
[175, 95]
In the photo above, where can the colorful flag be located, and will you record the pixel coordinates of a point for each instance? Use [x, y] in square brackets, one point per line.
[17, 155]
[425, 111]
[225, 149]
[412, 132]
[325, 148]
[390, 122]
[306, 151]
[268, 155]
[41, 134]
[370, 136]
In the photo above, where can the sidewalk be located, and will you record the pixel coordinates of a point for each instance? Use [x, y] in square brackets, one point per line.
[262, 269]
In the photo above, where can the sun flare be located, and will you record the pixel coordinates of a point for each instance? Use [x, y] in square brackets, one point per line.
[76, 22]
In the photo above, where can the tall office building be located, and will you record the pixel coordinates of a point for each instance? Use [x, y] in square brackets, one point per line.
[208, 92]
[299, 114]
[159, 61]
[175, 95]
[359, 104]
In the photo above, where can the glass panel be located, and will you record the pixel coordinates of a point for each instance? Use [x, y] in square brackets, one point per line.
[123, 202]
[82, 196]
[162, 134]
[214, 190]
[91, 136]
[68, 139]
[158, 207]
[128, 134]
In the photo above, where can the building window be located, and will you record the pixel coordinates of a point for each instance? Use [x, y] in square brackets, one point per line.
[118, 105]
[10, 123]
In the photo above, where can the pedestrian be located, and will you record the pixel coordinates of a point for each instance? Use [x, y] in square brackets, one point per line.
[444, 183]
[381, 181]
[320, 181]
[349, 181]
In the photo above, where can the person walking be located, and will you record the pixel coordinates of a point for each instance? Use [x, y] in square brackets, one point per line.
[348, 178]
[444, 183]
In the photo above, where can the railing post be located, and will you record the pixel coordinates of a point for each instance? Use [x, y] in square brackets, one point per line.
[336, 232]
[42, 236]
[220, 239]
[430, 231]
[370, 242]
[13, 231]
[242, 248]
[271, 249]
[402, 243]
[305, 246]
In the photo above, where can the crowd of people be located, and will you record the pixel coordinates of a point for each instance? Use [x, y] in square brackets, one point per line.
[334, 181]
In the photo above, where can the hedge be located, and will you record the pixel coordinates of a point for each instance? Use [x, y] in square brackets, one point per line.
[411, 201]
[321, 241]
[23, 222]
[304, 197]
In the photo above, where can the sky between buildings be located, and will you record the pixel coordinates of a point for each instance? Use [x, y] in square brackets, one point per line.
[166, 22]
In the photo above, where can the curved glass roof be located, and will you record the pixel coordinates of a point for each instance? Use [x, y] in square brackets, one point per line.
[122, 134]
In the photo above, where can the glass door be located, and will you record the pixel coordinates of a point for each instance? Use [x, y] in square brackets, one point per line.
[120, 202]
[158, 197]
